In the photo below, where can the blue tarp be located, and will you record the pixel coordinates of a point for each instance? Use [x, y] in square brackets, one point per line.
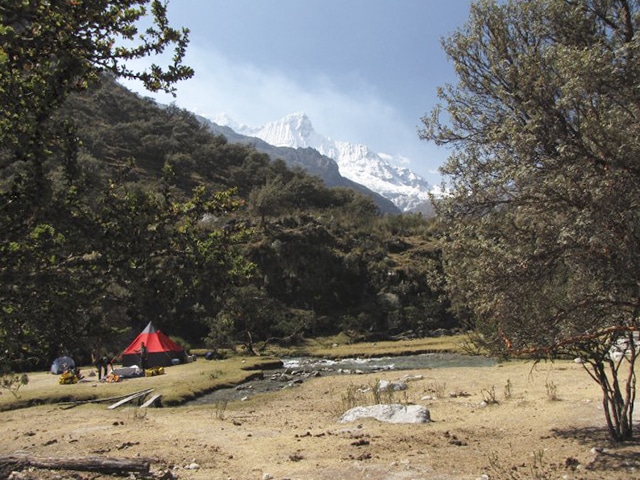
[61, 364]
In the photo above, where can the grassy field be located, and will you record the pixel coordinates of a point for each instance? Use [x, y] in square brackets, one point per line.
[337, 348]
[181, 383]
[511, 420]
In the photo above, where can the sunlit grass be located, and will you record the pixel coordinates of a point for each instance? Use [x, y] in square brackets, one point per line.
[181, 383]
[178, 384]
[339, 347]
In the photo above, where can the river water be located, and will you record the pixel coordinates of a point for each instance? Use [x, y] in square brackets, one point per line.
[299, 369]
[369, 365]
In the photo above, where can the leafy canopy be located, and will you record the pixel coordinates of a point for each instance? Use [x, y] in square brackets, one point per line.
[51, 48]
[48, 50]
[543, 214]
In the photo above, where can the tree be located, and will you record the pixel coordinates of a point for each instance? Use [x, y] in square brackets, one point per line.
[49, 50]
[173, 260]
[542, 217]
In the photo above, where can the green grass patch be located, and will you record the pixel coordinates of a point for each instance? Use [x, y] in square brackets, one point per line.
[339, 347]
[185, 382]
[179, 383]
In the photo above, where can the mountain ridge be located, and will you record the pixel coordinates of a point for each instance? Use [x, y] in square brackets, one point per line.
[306, 158]
[408, 191]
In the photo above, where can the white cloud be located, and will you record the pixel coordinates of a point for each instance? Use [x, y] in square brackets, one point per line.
[252, 95]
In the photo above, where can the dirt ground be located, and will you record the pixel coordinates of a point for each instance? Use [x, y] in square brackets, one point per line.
[510, 421]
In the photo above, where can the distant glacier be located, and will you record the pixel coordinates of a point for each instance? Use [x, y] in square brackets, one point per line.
[376, 171]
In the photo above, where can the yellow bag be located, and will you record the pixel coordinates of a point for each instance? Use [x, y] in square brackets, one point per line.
[152, 372]
[68, 378]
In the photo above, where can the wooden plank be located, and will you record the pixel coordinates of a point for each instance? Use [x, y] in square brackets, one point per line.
[75, 403]
[130, 397]
[151, 401]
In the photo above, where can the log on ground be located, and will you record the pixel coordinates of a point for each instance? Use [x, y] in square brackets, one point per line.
[84, 464]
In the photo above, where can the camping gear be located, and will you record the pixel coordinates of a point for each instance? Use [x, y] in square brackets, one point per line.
[128, 372]
[161, 350]
[62, 364]
[112, 378]
[153, 371]
[68, 378]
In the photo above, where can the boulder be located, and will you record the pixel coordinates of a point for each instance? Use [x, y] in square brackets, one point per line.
[393, 413]
[385, 386]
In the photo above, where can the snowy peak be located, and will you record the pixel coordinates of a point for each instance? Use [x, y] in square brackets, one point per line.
[378, 172]
[295, 131]
[225, 120]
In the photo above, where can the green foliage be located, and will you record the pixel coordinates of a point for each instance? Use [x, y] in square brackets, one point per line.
[13, 382]
[49, 49]
[57, 279]
[160, 220]
[542, 221]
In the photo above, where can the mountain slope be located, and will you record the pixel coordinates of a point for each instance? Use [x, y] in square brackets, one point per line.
[407, 190]
[306, 158]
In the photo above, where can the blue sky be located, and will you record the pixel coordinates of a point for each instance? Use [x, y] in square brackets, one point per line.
[364, 71]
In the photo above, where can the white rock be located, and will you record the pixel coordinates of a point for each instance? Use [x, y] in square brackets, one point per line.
[385, 386]
[394, 413]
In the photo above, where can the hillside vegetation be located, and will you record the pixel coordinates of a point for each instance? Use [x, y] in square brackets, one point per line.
[153, 217]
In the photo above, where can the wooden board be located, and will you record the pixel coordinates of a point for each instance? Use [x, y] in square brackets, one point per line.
[151, 401]
[75, 403]
[129, 398]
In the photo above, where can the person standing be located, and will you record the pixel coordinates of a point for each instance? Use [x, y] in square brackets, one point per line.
[144, 356]
[101, 364]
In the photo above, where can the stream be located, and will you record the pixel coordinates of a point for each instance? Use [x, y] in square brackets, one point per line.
[296, 370]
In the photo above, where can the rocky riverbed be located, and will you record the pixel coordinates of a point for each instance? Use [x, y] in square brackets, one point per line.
[294, 371]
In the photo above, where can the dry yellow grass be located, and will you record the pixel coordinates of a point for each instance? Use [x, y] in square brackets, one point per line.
[546, 423]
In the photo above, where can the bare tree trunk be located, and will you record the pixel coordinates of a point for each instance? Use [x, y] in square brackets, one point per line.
[250, 346]
[617, 402]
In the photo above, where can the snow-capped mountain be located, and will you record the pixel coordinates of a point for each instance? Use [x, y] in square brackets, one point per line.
[407, 190]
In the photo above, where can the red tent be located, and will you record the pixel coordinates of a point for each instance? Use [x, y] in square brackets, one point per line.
[161, 349]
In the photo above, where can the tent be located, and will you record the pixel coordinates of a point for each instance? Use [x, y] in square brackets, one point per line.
[60, 364]
[162, 350]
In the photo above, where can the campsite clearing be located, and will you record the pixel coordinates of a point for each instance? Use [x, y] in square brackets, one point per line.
[179, 384]
[508, 421]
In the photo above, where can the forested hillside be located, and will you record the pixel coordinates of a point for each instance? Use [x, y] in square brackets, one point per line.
[155, 218]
